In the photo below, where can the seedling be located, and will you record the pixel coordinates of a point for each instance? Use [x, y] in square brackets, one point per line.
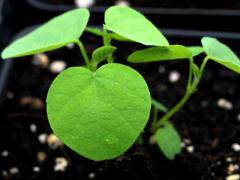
[99, 112]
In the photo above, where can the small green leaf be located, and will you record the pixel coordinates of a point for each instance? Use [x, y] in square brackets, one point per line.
[159, 106]
[162, 53]
[196, 50]
[221, 53]
[56, 33]
[102, 53]
[133, 25]
[169, 141]
[99, 114]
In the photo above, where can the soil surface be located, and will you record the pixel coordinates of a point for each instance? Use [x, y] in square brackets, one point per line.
[235, 4]
[210, 129]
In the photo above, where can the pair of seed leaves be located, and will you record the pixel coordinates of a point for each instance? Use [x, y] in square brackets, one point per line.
[101, 114]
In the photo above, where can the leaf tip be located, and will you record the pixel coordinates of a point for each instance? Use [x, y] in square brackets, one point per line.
[4, 54]
[206, 38]
[130, 59]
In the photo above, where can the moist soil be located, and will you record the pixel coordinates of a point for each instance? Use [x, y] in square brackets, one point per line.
[232, 4]
[208, 130]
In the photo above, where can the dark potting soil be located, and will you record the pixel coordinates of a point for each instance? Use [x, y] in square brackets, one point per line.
[208, 131]
[232, 4]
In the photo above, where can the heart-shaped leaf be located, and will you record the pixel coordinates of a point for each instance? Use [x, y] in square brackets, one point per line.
[221, 53]
[58, 32]
[162, 53]
[133, 25]
[169, 141]
[101, 114]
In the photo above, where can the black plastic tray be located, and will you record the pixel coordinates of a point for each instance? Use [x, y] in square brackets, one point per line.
[5, 66]
[8, 29]
[176, 18]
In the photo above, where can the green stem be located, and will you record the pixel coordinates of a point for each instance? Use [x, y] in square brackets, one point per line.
[154, 119]
[190, 75]
[107, 42]
[191, 88]
[106, 38]
[196, 82]
[84, 53]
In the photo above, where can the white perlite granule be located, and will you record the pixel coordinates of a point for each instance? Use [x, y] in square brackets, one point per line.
[60, 164]
[225, 104]
[42, 138]
[122, 3]
[236, 147]
[190, 149]
[174, 76]
[84, 3]
[92, 176]
[57, 66]
[233, 177]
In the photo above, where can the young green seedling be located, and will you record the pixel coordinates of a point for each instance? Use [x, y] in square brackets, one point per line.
[214, 50]
[97, 112]
[100, 112]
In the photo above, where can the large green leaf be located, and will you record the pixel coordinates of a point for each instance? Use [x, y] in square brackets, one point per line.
[118, 37]
[169, 141]
[221, 53]
[133, 25]
[113, 36]
[95, 31]
[162, 53]
[196, 50]
[58, 32]
[99, 114]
